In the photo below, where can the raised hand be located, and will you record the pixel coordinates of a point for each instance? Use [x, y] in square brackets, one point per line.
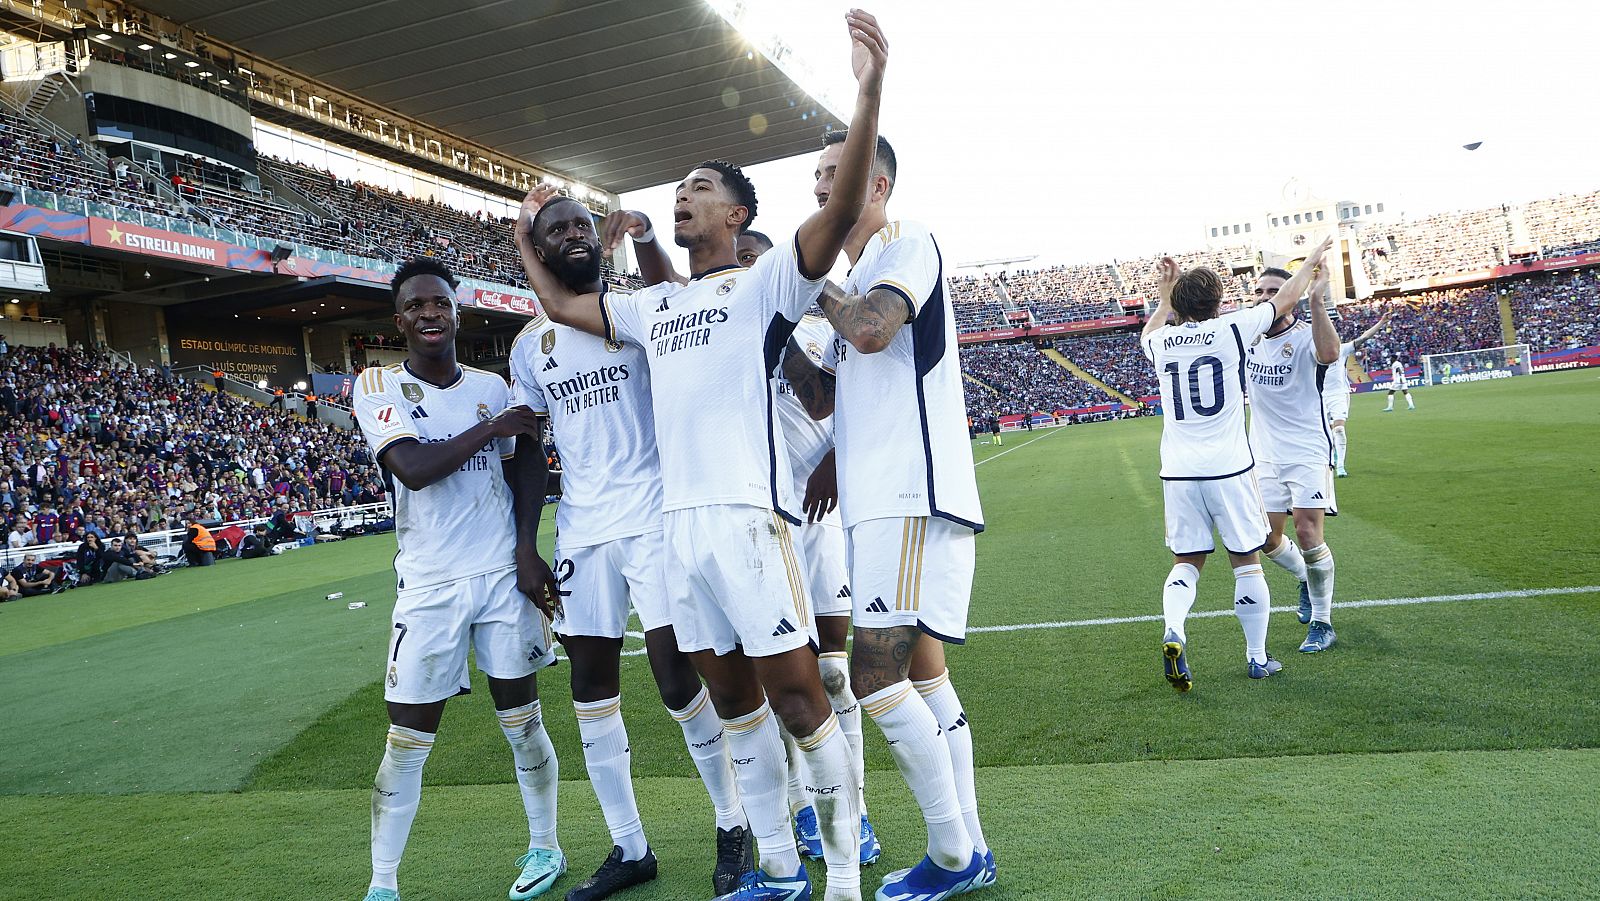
[619, 223]
[869, 50]
[1315, 257]
[1167, 274]
[541, 194]
[1319, 285]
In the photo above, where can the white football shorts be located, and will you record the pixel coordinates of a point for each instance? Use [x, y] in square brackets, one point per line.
[1337, 408]
[435, 626]
[1308, 486]
[823, 551]
[599, 582]
[912, 571]
[734, 579]
[1231, 506]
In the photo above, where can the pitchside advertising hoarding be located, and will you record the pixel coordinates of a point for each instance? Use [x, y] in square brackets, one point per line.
[250, 352]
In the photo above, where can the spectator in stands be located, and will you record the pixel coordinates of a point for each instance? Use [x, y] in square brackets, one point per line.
[199, 545]
[21, 534]
[257, 543]
[32, 579]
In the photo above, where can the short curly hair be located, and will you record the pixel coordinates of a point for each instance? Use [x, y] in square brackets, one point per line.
[1198, 294]
[744, 191]
[420, 266]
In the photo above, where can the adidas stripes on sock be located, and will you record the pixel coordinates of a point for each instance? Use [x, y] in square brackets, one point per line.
[609, 760]
[395, 794]
[1177, 598]
[941, 698]
[835, 667]
[703, 734]
[1252, 604]
[923, 757]
[757, 752]
[1319, 566]
[1288, 556]
[538, 771]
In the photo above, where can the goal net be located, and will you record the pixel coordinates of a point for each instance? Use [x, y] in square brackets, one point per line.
[1477, 365]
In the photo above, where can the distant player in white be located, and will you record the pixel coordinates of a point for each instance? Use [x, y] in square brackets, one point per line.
[1207, 471]
[1397, 381]
[805, 408]
[910, 508]
[463, 460]
[596, 394]
[1336, 394]
[738, 602]
[1293, 449]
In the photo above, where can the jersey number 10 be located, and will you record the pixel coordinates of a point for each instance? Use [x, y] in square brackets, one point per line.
[1196, 404]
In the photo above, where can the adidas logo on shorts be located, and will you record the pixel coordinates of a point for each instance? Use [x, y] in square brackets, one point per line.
[784, 628]
[1317, 496]
[877, 606]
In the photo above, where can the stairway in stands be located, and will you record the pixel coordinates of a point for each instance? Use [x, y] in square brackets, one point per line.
[1060, 360]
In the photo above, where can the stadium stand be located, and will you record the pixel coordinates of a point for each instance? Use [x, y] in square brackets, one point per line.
[1026, 381]
[1557, 310]
[119, 454]
[976, 304]
[1431, 322]
[31, 158]
[1113, 359]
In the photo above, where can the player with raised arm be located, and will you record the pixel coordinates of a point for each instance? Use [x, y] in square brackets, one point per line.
[469, 477]
[1336, 398]
[1207, 471]
[1288, 368]
[909, 503]
[1397, 382]
[737, 599]
[805, 408]
[596, 394]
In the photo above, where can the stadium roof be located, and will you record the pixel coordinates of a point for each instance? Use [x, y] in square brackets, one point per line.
[621, 94]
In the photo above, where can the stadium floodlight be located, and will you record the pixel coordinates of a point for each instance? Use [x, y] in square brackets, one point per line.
[147, 46]
[191, 64]
[169, 55]
[102, 36]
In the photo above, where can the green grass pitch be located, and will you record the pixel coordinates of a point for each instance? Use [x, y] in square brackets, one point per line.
[213, 734]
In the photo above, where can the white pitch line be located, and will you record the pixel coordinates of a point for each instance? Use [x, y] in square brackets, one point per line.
[1378, 602]
[1018, 447]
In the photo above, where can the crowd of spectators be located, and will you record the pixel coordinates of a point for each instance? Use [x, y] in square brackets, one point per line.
[93, 450]
[1114, 359]
[1557, 310]
[33, 159]
[975, 302]
[1440, 244]
[1431, 322]
[1565, 224]
[1023, 380]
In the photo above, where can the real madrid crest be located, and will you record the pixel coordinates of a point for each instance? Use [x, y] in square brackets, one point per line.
[613, 346]
[547, 342]
[394, 678]
[483, 413]
[1288, 350]
[726, 286]
[412, 391]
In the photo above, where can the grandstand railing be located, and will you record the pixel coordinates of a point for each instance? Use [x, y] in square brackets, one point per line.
[169, 543]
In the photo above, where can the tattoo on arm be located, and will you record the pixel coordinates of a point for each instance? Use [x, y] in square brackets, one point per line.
[869, 322]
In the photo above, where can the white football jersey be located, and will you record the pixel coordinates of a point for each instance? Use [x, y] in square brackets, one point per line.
[1200, 367]
[900, 417]
[597, 395]
[1287, 421]
[713, 346]
[460, 525]
[1397, 370]
[1337, 382]
[809, 439]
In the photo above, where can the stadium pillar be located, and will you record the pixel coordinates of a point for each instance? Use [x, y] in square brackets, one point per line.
[1508, 327]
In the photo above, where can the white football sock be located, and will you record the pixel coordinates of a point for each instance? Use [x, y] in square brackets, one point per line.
[1177, 598]
[941, 698]
[797, 786]
[1391, 401]
[831, 784]
[1410, 404]
[1340, 445]
[538, 772]
[702, 733]
[395, 794]
[757, 752]
[1288, 556]
[923, 756]
[1252, 604]
[835, 667]
[1319, 566]
[609, 760]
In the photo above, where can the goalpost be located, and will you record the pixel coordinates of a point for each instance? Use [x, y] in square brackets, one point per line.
[1477, 365]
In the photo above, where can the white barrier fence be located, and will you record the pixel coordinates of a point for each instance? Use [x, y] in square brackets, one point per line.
[170, 543]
